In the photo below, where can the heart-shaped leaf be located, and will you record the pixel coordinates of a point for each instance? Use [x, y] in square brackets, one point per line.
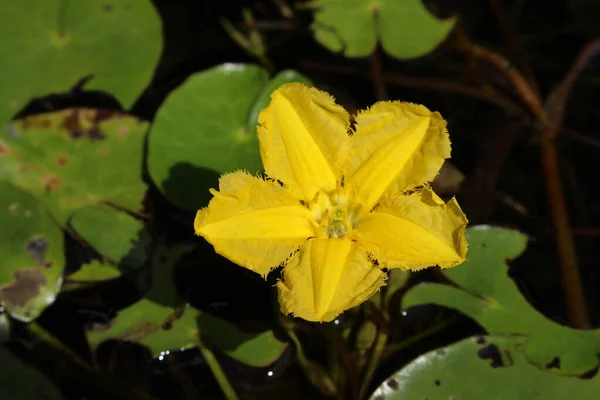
[50, 45]
[207, 127]
[405, 28]
[487, 294]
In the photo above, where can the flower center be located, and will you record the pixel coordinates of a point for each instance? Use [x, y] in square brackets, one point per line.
[335, 212]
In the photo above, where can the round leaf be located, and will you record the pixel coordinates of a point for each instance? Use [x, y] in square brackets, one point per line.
[405, 28]
[491, 368]
[72, 158]
[51, 45]
[31, 250]
[208, 127]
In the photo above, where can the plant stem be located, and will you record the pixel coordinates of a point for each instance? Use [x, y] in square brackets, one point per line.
[218, 372]
[565, 243]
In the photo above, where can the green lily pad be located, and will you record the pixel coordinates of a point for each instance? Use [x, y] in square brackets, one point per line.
[53, 44]
[31, 250]
[488, 367]
[487, 294]
[162, 322]
[207, 127]
[94, 272]
[77, 157]
[405, 28]
[20, 381]
[117, 236]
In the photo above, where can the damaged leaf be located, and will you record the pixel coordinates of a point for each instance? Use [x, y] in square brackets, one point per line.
[405, 28]
[54, 44]
[20, 381]
[31, 250]
[163, 322]
[76, 157]
[496, 369]
[207, 127]
[487, 294]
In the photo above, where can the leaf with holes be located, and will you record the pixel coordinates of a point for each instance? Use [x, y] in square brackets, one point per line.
[31, 250]
[207, 127]
[405, 28]
[54, 44]
[487, 294]
[77, 157]
[18, 380]
[162, 322]
[488, 367]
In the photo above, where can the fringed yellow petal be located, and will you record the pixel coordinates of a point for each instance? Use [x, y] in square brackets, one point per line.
[415, 231]
[397, 146]
[302, 135]
[327, 277]
[254, 223]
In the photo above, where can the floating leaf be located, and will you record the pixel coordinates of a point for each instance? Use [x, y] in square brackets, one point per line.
[489, 367]
[207, 127]
[162, 322]
[73, 158]
[20, 381]
[95, 271]
[55, 43]
[31, 250]
[256, 349]
[116, 235]
[488, 295]
[405, 28]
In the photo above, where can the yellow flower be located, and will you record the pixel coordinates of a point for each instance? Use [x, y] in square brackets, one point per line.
[337, 200]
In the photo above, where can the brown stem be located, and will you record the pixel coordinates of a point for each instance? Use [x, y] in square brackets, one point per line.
[565, 243]
[377, 76]
[433, 84]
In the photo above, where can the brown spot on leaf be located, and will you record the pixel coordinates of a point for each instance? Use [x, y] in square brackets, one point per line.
[392, 383]
[437, 382]
[480, 340]
[138, 331]
[26, 286]
[62, 160]
[36, 121]
[3, 149]
[37, 249]
[81, 123]
[174, 316]
[107, 7]
[52, 184]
